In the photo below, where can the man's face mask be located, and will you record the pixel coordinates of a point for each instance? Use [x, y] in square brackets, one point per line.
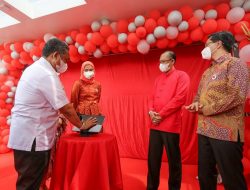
[88, 74]
[164, 67]
[62, 67]
[206, 53]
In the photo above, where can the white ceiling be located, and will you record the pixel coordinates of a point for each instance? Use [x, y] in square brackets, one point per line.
[64, 21]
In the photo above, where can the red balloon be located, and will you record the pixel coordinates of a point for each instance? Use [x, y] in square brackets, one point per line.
[132, 48]
[81, 38]
[5, 88]
[17, 74]
[115, 50]
[122, 26]
[97, 39]
[162, 43]
[73, 51]
[154, 14]
[247, 17]
[5, 139]
[36, 51]
[106, 31]
[61, 37]
[172, 43]
[223, 24]
[10, 67]
[222, 10]
[5, 132]
[41, 46]
[133, 39]
[7, 58]
[73, 34]
[2, 103]
[244, 43]
[209, 26]
[208, 7]
[162, 21]
[3, 78]
[4, 113]
[112, 41]
[89, 47]
[3, 53]
[3, 95]
[84, 57]
[75, 59]
[183, 36]
[238, 27]
[193, 23]
[7, 47]
[18, 47]
[25, 56]
[196, 34]
[16, 63]
[85, 29]
[37, 42]
[187, 12]
[166, 13]
[9, 106]
[150, 25]
[122, 48]
[105, 48]
[141, 32]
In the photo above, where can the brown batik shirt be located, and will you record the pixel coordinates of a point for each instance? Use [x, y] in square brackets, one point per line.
[222, 91]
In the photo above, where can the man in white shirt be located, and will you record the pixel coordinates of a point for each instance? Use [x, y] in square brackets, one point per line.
[39, 99]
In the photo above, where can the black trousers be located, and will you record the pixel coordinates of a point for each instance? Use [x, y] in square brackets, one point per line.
[227, 155]
[31, 167]
[157, 140]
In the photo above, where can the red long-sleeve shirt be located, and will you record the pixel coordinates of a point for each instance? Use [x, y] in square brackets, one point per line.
[169, 95]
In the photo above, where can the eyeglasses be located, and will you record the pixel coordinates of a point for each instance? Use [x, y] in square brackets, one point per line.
[165, 61]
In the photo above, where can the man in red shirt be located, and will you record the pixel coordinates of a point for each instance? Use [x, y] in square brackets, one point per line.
[169, 95]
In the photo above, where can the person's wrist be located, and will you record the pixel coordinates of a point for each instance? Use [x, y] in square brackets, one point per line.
[83, 126]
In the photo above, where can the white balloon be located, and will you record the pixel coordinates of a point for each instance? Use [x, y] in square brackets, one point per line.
[236, 3]
[244, 53]
[246, 6]
[14, 55]
[95, 26]
[122, 38]
[8, 117]
[131, 27]
[172, 32]
[89, 36]
[211, 14]
[183, 26]
[202, 22]
[113, 26]
[13, 88]
[159, 32]
[68, 40]
[77, 44]
[174, 18]
[139, 20]
[28, 46]
[10, 94]
[47, 37]
[235, 15]
[98, 53]
[3, 71]
[12, 47]
[9, 83]
[150, 39]
[143, 47]
[35, 58]
[200, 14]
[9, 100]
[105, 21]
[81, 50]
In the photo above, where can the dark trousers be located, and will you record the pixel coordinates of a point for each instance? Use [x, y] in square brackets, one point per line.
[157, 140]
[30, 166]
[227, 155]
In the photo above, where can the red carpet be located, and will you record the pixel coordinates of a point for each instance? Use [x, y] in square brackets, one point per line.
[134, 174]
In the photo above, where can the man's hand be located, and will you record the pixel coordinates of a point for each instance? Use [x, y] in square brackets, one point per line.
[155, 117]
[90, 122]
[194, 107]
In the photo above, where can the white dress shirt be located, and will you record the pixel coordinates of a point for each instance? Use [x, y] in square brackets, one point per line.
[38, 98]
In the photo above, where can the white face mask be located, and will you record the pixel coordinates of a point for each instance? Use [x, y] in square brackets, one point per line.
[206, 53]
[62, 67]
[88, 74]
[164, 67]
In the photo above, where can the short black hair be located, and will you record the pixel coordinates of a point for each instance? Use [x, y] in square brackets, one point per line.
[54, 45]
[171, 54]
[227, 39]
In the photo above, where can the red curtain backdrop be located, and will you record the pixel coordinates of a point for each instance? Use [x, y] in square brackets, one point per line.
[127, 82]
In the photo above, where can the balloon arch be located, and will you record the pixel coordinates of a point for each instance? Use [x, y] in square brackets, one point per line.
[139, 34]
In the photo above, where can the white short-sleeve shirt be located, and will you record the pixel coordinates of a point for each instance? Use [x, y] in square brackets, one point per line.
[38, 98]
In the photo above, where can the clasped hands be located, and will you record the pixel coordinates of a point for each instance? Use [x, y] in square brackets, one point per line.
[195, 107]
[155, 117]
[88, 123]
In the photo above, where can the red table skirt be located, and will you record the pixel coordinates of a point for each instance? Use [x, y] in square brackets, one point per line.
[87, 163]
